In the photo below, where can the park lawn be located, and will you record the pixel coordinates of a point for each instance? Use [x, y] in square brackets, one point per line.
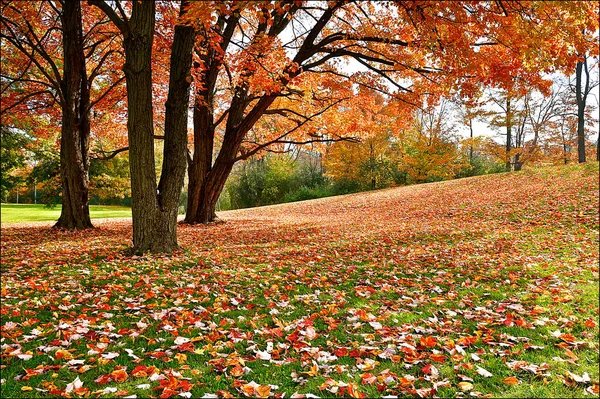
[480, 287]
[17, 213]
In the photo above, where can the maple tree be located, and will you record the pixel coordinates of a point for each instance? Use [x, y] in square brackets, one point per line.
[255, 53]
[470, 109]
[432, 151]
[374, 121]
[57, 62]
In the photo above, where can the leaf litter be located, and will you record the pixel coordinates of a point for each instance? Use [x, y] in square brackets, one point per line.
[420, 291]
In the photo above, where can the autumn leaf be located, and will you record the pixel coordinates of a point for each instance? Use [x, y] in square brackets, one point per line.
[465, 386]
[428, 342]
[511, 380]
[119, 375]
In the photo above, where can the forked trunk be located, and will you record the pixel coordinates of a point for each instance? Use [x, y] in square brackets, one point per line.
[518, 163]
[75, 129]
[200, 166]
[202, 207]
[154, 208]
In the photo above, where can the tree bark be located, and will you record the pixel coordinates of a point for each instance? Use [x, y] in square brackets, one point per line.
[75, 129]
[201, 165]
[137, 42]
[175, 145]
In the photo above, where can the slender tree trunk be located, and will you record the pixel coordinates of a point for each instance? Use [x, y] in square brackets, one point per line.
[176, 121]
[508, 134]
[154, 208]
[520, 143]
[581, 96]
[471, 144]
[75, 129]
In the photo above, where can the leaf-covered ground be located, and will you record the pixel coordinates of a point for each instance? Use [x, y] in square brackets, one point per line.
[477, 287]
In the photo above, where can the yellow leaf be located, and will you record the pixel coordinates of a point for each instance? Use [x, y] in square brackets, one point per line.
[263, 391]
[465, 386]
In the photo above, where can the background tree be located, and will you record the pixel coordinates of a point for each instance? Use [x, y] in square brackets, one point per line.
[433, 153]
[12, 157]
[470, 109]
[584, 84]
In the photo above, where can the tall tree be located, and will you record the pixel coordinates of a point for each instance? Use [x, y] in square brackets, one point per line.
[54, 60]
[154, 206]
[75, 127]
[255, 52]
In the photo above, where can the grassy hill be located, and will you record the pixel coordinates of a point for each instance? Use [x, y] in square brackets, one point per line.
[472, 287]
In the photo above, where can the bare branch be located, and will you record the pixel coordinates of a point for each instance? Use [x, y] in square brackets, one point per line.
[106, 155]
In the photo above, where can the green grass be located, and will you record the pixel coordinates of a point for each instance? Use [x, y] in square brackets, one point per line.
[17, 213]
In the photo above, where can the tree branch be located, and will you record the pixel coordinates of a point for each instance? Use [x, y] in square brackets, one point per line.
[276, 140]
[111, 14]
[106, 155]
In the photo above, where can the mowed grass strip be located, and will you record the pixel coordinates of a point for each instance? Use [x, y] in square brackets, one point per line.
[481, 287]
[23, 213]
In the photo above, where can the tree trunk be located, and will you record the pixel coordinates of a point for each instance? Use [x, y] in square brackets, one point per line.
[201, 206]
[518, 163]
[201, 209]
[211, 190]
[154, 208]
[75, 129]
[581, 96]
[471, 143]
[137, 43]
[508, 134]
[201, 164]
[176, 121]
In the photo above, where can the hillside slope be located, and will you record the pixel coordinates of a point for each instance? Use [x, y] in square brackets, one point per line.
[509, 202]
